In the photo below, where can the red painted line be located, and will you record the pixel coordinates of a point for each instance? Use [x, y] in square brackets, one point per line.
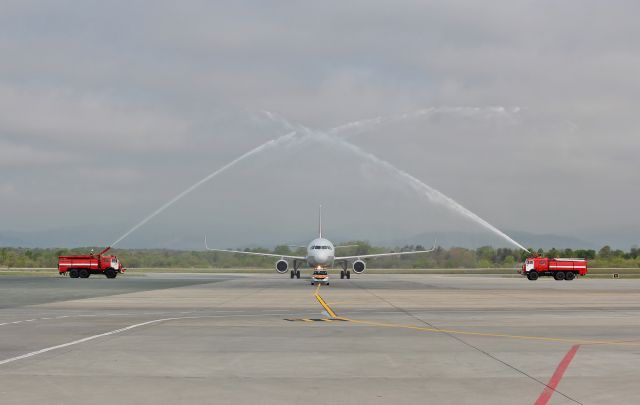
[557, 376]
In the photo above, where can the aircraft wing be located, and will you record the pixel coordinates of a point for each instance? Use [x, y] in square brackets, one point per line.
[253, 253]
[384, 254]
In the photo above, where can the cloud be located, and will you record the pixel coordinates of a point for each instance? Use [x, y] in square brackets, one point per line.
[88, 120]
[499, 105]
[12, 154]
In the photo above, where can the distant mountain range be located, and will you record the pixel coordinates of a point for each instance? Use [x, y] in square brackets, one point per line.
[75, 237]
[475, 240]
[44, 239]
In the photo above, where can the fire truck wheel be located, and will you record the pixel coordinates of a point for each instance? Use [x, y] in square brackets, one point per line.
[84, 273]
[559, 275]
[533, 275]
[570, 276]
[348, 274]
[73, 273]
[110, 273]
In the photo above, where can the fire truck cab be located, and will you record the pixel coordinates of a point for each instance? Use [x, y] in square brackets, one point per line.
[558, 268]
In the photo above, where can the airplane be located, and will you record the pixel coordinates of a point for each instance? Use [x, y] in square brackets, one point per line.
[321, 255]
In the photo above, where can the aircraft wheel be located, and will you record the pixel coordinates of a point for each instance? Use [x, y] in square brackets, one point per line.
[559, 275]
[84, 273]
[532, 275]
[73, 273]
[570, 276]
[341, 274]
[298, 274]
[348, 274]
[293, 274]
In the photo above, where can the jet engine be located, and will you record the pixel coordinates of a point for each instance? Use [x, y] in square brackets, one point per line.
[282, 266]
[359, 266]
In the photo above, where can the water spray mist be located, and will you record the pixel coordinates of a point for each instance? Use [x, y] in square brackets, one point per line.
[329, 136]
[431, 193]
[267, 145]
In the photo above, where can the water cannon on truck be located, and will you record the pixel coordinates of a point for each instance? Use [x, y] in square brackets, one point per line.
[558, 268]
[84, 266]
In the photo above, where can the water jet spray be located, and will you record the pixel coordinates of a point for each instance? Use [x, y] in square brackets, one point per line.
[431, 193]
[330, 136]
[269, 144]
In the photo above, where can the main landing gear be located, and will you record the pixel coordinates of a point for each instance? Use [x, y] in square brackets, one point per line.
[344, 272]
[295, 272]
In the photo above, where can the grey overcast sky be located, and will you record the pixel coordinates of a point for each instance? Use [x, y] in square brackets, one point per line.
[109, 109]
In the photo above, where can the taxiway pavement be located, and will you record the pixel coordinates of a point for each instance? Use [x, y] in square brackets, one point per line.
[266, 339]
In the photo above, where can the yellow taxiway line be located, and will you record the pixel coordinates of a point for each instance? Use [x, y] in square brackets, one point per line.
[469, 333]
[324, 304]
[488, 334]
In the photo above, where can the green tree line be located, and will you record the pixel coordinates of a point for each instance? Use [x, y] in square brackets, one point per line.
[455, 257]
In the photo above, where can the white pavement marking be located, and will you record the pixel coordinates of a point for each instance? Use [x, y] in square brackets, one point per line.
[15, 322]
[114, 314]
[275, 312]
[114, 332]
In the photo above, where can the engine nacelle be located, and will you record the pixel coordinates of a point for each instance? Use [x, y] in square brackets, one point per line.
[359, 266]
[282, 266]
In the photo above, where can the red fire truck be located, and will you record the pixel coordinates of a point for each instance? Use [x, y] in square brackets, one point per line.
[85, 265]
[560, 269]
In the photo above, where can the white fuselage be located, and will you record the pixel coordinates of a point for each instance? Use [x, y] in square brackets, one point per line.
[320, 253]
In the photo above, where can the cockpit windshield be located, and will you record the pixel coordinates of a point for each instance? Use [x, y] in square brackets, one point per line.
[321, 247]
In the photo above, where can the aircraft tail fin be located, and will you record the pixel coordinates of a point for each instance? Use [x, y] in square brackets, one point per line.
[320, 221]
